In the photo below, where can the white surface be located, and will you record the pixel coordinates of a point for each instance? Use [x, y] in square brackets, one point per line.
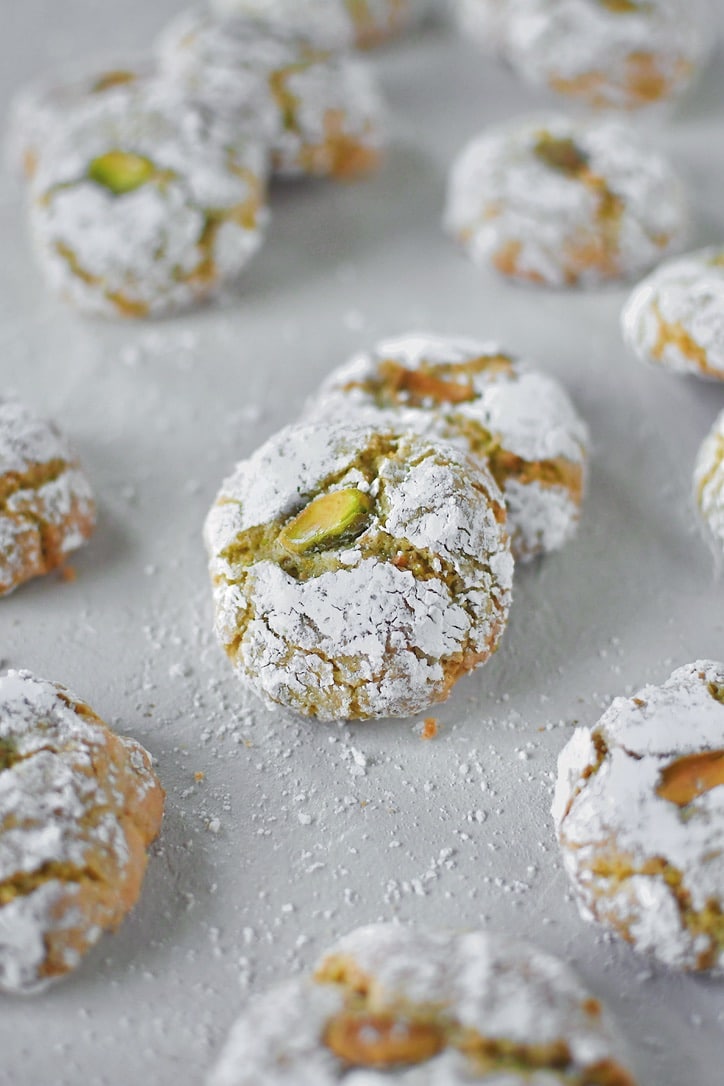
[322, 828]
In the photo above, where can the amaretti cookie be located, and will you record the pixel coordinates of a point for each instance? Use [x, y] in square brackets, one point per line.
[147, 205]
[639, 813]
[340, 23]
[675, 317]
[517, 420]
[41, 108]
[392, 1003]
[326, 108]
[709, 482]
[79, 807]
[612, 54]
[47, 509]
[358, 573]
[564, 202]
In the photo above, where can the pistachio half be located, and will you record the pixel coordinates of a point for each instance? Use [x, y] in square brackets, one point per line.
[121, 171]
[326, 521]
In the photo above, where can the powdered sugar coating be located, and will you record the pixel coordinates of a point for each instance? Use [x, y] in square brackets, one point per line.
[39, 109]
[174, 240]
[360, 635]
[78, 807]
[493, 987]
[709, 482]
[335, 23]
[612, 54]
[675, 317]
[322, 110]
[641, 863]
[619, 209]
[517, 420]
[47, 509]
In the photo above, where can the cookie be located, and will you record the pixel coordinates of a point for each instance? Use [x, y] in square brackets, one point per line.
[41, 108]
[675, 317]
[516, 420]
[610, 54]
[709, 483]
[565, 203]
[326, 108]
[358, 573]
[79, 807]
[336, 23]
[391, 1003]
[147, 205]
[639, 813]
[46, 502]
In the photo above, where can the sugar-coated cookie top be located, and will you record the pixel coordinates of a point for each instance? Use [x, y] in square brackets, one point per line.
[27, 440]
[326, 22]
[675, 317]
[423, 990]
[647, 783]
[66, 785]
[574, 198]
[709, 481]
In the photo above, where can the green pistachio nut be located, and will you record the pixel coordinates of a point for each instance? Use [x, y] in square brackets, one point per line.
[121, 171]
[328, 520]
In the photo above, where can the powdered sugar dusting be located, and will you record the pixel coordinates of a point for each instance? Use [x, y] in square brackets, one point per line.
[709, 481]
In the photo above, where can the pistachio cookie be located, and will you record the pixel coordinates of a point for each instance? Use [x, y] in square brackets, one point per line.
[339, 23]
[611, 54]
[326, 108]
[46, 503]
[358, 573]
[639, 812]
[147, 205]
[675, 317]
[516, 420]
[79, 807]
[564, 202]
[41, 108]
[391, 1003]
[709, 482]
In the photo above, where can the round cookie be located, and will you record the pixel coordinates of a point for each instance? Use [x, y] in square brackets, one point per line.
[358, 573]
[39, 109]
[561, 202]
[709, 482]
[639, 813]
[675, 317]
[391, 1003]
[611, 54]
[518, 421]
[325, 107]
[46, 503]
[147, 205]
[79, 807]
[336, 23]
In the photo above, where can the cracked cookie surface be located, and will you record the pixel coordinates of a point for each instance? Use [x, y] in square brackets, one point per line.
[561, 202]
[147, 204]
[709, 482]
[324, 107]
[358, 573]
[41, 107]
[675, 317]
[609, 54]
[639, 813]
[394, 1003]
[47, 509]
[336, 23]
[518, 421]
[79, 807]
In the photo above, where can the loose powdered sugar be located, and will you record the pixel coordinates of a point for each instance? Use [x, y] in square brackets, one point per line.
[362, 635]
[641, 862]
[558, 201]
[517, 420]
